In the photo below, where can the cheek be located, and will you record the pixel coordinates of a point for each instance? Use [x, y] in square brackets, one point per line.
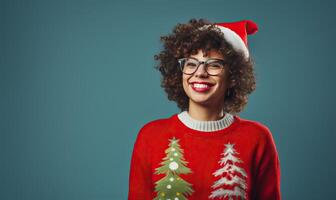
[222, 84]
[185, 82]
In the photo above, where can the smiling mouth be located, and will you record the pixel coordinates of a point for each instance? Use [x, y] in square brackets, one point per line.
[201, 87]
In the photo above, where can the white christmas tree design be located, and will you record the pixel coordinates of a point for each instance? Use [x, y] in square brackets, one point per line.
[172, 186]
[232, 178]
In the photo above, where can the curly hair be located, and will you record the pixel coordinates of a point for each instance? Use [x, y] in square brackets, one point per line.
[186, 40]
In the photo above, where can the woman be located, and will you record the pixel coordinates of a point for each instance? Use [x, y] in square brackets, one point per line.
[206, 151]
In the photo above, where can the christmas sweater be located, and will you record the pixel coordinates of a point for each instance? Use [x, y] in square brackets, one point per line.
[179, 158]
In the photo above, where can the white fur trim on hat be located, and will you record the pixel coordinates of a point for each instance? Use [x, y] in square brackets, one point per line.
[233, 38]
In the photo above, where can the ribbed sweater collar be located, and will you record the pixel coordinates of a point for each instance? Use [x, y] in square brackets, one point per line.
[206, 126]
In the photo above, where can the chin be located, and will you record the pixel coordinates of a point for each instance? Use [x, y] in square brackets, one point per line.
[200, 100]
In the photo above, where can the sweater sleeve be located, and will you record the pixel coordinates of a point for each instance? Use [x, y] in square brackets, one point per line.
[268, 173]
[140, 174]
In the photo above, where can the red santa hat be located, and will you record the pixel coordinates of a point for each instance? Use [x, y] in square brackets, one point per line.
[236, 33]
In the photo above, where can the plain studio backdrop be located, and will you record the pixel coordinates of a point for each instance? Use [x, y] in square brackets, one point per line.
[77, 82]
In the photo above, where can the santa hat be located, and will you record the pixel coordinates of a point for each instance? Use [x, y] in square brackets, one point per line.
[236, 33]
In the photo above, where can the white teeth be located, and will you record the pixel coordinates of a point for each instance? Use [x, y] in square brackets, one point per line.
[197, 85]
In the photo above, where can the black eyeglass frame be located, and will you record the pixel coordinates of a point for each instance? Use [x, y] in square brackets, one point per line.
[182, 60]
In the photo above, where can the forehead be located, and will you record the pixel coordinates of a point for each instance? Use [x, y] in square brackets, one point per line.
[210, 54]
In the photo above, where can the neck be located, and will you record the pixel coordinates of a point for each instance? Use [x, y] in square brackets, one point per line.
[205, 112]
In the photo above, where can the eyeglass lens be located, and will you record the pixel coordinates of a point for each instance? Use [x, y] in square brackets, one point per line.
[212, 66]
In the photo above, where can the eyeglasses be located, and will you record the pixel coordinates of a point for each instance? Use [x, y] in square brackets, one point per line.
[213, 66]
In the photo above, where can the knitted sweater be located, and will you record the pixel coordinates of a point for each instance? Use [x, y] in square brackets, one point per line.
[179, 158]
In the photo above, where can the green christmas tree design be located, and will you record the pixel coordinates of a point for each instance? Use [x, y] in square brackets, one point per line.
[172, 186]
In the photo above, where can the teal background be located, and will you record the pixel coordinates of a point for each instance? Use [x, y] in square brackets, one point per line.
[77, 82]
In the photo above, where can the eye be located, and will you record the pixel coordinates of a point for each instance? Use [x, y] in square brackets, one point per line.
[215, 64]
[190, 64]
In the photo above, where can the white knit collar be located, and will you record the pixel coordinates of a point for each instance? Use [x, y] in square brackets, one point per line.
[206, 126]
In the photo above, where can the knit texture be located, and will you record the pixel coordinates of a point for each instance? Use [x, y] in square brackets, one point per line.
[206, 126]
[175, 159]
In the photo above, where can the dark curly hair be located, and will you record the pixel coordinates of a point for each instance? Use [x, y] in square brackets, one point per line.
[186, 40]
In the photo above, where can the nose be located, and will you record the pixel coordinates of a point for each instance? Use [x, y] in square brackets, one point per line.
[201, 70]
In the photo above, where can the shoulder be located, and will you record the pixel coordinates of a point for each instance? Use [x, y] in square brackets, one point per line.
[153, 126]
[258, 129]
[261, 135]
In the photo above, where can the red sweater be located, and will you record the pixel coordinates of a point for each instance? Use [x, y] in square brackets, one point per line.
[173, 161]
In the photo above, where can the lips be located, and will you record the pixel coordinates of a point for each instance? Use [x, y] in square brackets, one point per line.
[201, 86]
